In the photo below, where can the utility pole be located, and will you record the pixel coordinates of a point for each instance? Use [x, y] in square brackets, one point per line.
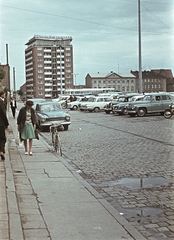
[139, 34]
[14, 82]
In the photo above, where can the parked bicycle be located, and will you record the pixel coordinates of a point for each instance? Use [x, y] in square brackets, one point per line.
[56, 141]
[169, 112]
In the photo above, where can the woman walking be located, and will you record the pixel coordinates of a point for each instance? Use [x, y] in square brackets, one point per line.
[26, 122]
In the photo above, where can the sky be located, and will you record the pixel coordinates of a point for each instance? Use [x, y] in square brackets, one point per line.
[105, 33]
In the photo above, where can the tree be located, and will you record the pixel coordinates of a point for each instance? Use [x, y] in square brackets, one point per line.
[20, 93]
[2, 73]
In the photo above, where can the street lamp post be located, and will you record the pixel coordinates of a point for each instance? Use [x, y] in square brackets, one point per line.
[139, 34]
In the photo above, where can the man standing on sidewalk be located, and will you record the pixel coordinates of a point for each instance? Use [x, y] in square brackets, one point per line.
[3, 125]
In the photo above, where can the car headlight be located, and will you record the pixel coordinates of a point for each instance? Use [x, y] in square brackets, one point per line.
[67, 118]
[42, 117]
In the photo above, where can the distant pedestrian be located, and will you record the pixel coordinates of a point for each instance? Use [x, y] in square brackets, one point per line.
[3, 125]
[26, 122]
[13, 106]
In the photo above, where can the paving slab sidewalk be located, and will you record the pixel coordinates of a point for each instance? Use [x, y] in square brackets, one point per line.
[43, 197]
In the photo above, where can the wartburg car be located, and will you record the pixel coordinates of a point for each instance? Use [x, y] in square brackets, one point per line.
[48, 113]
[151, 103]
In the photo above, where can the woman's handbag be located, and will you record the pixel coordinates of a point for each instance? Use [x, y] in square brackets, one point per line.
[36, 134]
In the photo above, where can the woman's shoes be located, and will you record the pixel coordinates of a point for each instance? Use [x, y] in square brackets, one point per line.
[30, 153]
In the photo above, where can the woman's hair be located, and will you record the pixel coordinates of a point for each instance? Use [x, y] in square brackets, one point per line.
[1, 93]
[29, 103]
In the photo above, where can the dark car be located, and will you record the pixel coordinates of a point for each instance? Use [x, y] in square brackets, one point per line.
[121, 108]
[123, 100]
[48, 113]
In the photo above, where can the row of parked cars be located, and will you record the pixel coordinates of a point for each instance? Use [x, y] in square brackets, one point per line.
[140, 105]
[51, 112]
[133, 104]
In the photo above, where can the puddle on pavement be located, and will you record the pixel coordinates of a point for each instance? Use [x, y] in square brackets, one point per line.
[140, 215]
[135, 183]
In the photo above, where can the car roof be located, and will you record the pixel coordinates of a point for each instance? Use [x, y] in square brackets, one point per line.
[48, 102]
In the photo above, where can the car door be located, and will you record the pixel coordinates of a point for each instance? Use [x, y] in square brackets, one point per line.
[166, 101]
[156, 104]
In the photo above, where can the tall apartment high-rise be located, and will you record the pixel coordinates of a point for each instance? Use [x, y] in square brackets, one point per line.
[49, 66]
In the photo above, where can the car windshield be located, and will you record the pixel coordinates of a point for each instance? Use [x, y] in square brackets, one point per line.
[50, 107]
[147, 98]
[91, 99]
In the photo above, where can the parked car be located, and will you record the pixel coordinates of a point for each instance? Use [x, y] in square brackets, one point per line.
[151, 103]
[48, 113]
[94, 104]
[75, 104]
[120, 108]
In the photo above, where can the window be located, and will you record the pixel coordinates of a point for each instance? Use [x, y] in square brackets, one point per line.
[39, 54]
[40, 71]
[39, 76]
[165, 97]
[39, 65]
[68, 60]
[68, 54]
[39, 59]
[68, 48]
[39, 48]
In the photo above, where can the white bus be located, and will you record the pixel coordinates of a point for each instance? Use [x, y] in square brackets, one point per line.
[87, 91]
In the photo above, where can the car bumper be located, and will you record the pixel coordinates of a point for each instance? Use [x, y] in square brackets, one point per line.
[49, 123]
[131, 111]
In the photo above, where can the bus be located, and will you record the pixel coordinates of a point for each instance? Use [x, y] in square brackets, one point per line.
[87, 91]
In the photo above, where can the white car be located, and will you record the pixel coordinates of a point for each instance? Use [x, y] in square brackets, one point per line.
[94, 104]
[75, 104]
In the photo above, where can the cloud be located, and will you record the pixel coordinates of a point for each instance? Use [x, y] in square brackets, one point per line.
[105, 33]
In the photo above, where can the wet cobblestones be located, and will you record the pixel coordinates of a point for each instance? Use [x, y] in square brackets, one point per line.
[109, 148]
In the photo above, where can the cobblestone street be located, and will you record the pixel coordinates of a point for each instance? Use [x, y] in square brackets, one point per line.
[129, 161]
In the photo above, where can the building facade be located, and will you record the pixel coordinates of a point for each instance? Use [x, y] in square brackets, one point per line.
[49, 66]
[152, 81]
[125, 83]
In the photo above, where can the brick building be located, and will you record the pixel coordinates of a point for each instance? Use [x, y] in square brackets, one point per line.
[49, 66]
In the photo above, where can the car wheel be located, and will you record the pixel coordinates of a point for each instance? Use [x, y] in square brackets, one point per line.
[168, 114]
[125, 112]
[65, 127]
[141, 112]
[96, 109]
[107, 111]
[75, 107]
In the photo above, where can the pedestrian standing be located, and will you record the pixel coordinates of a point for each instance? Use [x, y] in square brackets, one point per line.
[3, 125]
[13, 106]
[26, 122]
